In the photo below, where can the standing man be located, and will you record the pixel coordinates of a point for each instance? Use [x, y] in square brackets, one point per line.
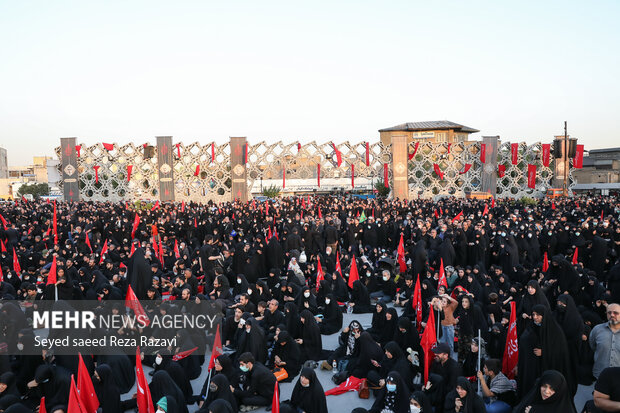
[605, 341]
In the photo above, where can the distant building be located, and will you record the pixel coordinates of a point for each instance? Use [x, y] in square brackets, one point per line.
[438, 131]
[600, 173]
[42, 170]
[4, 165]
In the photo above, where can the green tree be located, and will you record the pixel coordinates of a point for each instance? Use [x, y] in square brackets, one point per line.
[381, 189]
[271, 191]
[36, 190]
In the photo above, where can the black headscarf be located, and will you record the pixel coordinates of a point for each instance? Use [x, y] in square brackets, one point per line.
[396, 401]
[472, 403]
[311, 335]
[107, 392]
[163, 385]
[561, 401]
[222, 393]
[423, 401]
[311, 398]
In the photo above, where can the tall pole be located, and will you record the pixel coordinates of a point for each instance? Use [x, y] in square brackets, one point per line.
[565, 160]
[479, 357]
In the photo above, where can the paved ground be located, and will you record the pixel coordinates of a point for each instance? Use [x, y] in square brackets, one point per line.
[343, 403]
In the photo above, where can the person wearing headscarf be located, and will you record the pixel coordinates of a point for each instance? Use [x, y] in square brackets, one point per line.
[306, 300]
[420, 403]
[292, 321]
[360, 298]
[542, 347]
[368, 358]
[162, 385]
[549, 394]
[463, 399]
[569, 319]
[378, 319]
[308, 395]
[164, 361]
[393, 397]
[389, 326]
[219, 389]
[470, 362]
[124, 375]
[332, 316]
[347, 345]
[566, 275]
[311, 343]
[394, 359]
[107, 393]
[190, 363]
[219, 406]
[534, 296]
[253, 340]
[167, 404]
[53, 383]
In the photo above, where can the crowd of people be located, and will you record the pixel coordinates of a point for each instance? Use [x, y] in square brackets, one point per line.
[280, 274]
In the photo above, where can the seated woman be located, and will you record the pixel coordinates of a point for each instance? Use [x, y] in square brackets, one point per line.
[219, 389]
[550, 394]
[378, 319]
[348, 342]
[463, 399]
[310, 342]
[360, 298]
[308, 395]
[367, 359]
[395, 360]
[332, 316]
[394, 397]
[420, 403]
[287, 355]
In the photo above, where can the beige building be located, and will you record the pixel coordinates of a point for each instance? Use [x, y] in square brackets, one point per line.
[38, 172]
[601, 166]
[438, 131]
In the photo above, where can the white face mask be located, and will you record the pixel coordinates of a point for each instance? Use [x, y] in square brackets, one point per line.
[247, 330]
[327, 301]
[238, 280]
[414, 409]
[158, 360]
[307, 294]
[20, 346]
[250, 291]
[385, 278]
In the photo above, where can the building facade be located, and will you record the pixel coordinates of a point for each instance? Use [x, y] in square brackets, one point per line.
[440, 131]
[600, 166]
[4, 165]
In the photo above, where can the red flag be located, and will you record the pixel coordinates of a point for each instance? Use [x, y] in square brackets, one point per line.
[493, 202]
[78, 148]
[16, 267]
[2, 246]
[575, 256]
[320, 215]
[133, 249]
[531, 176]
[486, 210]
[283, 178]
[143, 396]
[1, 275]
[183, 354]
[449, 146]
[155, 206]
[442, 275]
[338, 267]
[197, 171]
[104, 250]
[457, 217]
[269, 234]
[129, 169]
[367, 154]
[501, 170]
[483, 152]
[546, 151]
[552, 205]
[51, 276]
[436, 213]
[514, 151]
[177, 254]
[178, 145]
[196, 222]
[416, 304]
[212, 152]
[457, 291]
[578, 159]
[401, 255]
[415, 150]
[182, 206]
[74, 400]
[350, 384]
[318, 174]
[245, 156]
[88, 242]
[108, 146]
[427, 341]
[545, 265]
[131, 301]
[438, 171]
[511, 351]
[467, 166]
[216, 351]
[55, 224]
[353, 274]
[338, 155]
[3, 221]
[134, 228]
[352, 176]
[298, 147]
[386, 176]
[42, 408]
[275, 402]
[96, 168]
[320, 275]
[86, 390]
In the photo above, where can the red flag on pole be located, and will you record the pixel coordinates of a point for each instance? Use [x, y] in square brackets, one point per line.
[143, 396]
[467, 167]
[88, 242]
[216, 351]
[338, 155]
[416, 304]
[545, 265]
[486, 210]
[154, 207]
[129, 169]
[104, 250]
[367, 154]
[501, 170]
[401, 255]
[74, 400]
[352, 176]
[275, 403]
[318, 174]
[2, 246]
[415, 150]
[134, 228]
[96, 168]
[16, 267]
[578, 159]
[353, 274]
[183, 354]
[132, 302]
[514, 151]
[338, 268]
[546, 151]
[178, 145]
[511, 351]
[177, 254]
[552, 205]
[212, 152]
[320, 275]
[531, 176]
[133, 249]
[42, 408]
[4, 223]
[86, 390]
[575, 256]
[483, 152]
[51, 276]
[442, 275]
[78, 148]
[108, 146]
[386, 176]
[457, 217]
[427, 341]
[493, 202]
[438, 171]
[320, 215]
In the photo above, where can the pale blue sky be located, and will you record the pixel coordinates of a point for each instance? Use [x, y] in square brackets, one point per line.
[117, 71]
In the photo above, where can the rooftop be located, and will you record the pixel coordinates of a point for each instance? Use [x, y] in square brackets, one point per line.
[604, 150]
[430, 125]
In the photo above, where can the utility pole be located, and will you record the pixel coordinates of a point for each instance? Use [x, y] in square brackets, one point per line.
[565, 160]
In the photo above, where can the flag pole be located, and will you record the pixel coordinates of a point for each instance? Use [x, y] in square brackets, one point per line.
[208, 384]
[438, 324]
[479, 357]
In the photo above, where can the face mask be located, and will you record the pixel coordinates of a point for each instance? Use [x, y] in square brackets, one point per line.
[503, 234]
[307, 294]
[577, 233]
[327, 301]
[529, 235]
[158, 360]
[244, 369]
[238, 280]
[160, 410]
[566, 228]
[414, 409]
[247, 330]
[549, 233]
[20, 346]
[250, 291]
[368, 274]
[385, 278]
[39, 280]
[213, 388]
[390, 387]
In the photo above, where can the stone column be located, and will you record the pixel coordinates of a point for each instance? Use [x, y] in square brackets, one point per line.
[488, 176]
[399, 167]
[165, 164]
[238, 168]
[69, 169]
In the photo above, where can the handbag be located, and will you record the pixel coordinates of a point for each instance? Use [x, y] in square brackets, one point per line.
[280, 374]
[364, 391]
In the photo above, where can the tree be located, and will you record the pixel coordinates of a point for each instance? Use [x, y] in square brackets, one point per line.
[381, 189]
[36, 190]
[271, 191]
